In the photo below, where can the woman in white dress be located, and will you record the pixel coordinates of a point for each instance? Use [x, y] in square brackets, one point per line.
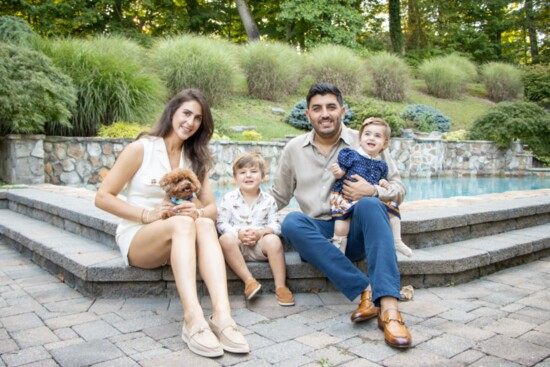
[180, 139]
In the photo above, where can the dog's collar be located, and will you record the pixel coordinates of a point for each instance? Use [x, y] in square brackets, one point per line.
[177, 201]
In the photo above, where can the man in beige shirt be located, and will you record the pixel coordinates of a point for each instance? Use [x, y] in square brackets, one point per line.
[304, 172]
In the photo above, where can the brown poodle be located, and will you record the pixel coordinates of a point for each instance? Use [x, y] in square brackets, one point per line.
[181, 184]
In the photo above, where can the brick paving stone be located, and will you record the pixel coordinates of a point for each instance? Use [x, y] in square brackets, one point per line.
[50, 293]
[43, 363]
[102, 306]
[510, 327]
[25, 356]
[422, 309]
[74, 305]
[98, 329]
[457, 315]
[465, 331]
[344, 330]
[545, 363]
[280, 330]
[314, 315]
[181, 358]
[538, 300]
[282, 351]
[164, 331]
[70, 320]
[416, 357]
[531, 314]
[174, 343]
[318, 340]
[374, 351]
[514, 350]
[494, 362]
[254, 363]
[359, 362]
[153, 353]
[8, 346]
[132, 325]
[301, 361]
[257, 341]
[34, 337]
[536, 337]
[85, 354]
[63, 343]
[21, 322]
[145, 304]
[65, 333]
[119, 362]
[468, 357]
[138, 345]
[505, 297]
[245, 317]
[3, 334]
[545, 328]
[447, 345]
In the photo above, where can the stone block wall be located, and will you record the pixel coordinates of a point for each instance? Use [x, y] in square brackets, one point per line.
[83, 162]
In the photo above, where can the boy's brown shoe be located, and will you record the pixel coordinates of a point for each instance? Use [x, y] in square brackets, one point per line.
[284, 296]
[251, 287]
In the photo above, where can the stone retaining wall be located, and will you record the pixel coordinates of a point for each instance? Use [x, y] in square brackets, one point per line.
[76, 161]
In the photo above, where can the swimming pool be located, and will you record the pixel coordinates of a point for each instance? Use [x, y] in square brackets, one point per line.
[444, 187]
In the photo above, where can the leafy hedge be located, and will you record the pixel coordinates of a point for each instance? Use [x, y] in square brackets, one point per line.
[35, 96]
[373, 108]
[298, 118]
[536, 80]
[427, 118]
[509, 121]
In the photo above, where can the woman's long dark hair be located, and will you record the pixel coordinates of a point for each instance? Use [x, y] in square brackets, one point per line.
[196, 146]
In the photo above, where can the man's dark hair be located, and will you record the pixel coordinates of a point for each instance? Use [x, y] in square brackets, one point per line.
[322, 89]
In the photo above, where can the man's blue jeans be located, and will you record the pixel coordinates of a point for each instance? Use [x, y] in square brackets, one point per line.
[370, 234]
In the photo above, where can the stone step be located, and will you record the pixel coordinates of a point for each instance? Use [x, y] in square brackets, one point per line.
[96, 269]
[420, 229]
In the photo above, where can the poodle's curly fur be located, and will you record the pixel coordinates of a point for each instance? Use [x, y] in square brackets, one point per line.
[180, 184]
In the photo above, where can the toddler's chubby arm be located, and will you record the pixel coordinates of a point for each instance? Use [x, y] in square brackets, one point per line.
[337, 171]
[384, 183]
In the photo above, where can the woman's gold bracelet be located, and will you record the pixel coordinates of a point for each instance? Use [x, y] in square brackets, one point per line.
[141, 216]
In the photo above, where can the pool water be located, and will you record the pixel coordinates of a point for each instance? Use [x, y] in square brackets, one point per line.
[443, 187]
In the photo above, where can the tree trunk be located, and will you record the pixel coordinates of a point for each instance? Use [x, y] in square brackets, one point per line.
[416, 39]
[396, 33]
[531, 31]
[248, 21]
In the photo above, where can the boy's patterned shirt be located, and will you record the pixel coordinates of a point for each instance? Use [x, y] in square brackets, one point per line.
[235, 214]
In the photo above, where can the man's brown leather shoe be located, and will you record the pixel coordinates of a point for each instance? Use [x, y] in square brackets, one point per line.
[395, 331]
[366, 309]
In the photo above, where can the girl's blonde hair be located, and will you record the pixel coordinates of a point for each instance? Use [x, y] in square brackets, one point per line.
[376, 121]
[249, 159]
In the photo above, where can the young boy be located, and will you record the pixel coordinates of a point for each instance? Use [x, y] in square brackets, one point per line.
[250, 226]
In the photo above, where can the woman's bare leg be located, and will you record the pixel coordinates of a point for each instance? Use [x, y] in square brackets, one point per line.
[212, 268]
[171, 239]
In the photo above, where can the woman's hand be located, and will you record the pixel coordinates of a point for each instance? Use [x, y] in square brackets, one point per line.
[186, 207]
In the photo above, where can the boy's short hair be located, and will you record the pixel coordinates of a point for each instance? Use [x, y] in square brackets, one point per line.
[249, 159]
[376, 121]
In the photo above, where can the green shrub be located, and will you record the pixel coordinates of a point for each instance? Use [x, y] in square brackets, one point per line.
[443, 79]
[536, 79]
[121, 129]
[251, 135]
[338, 65]
[35, 96]
[196, 62]
[374, 108]
[298, 117]
[502, 81]
[272, 70]
[457, 135]
[426, 118]
[509, 121]
[15, 30]
[390, 77]
[112, 83]
[467, 67]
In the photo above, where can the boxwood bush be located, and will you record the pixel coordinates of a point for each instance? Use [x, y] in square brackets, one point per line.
[427, 118]
[35, 96]
[16, 31]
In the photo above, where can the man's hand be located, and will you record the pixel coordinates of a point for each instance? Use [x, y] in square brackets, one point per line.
[355, 190]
